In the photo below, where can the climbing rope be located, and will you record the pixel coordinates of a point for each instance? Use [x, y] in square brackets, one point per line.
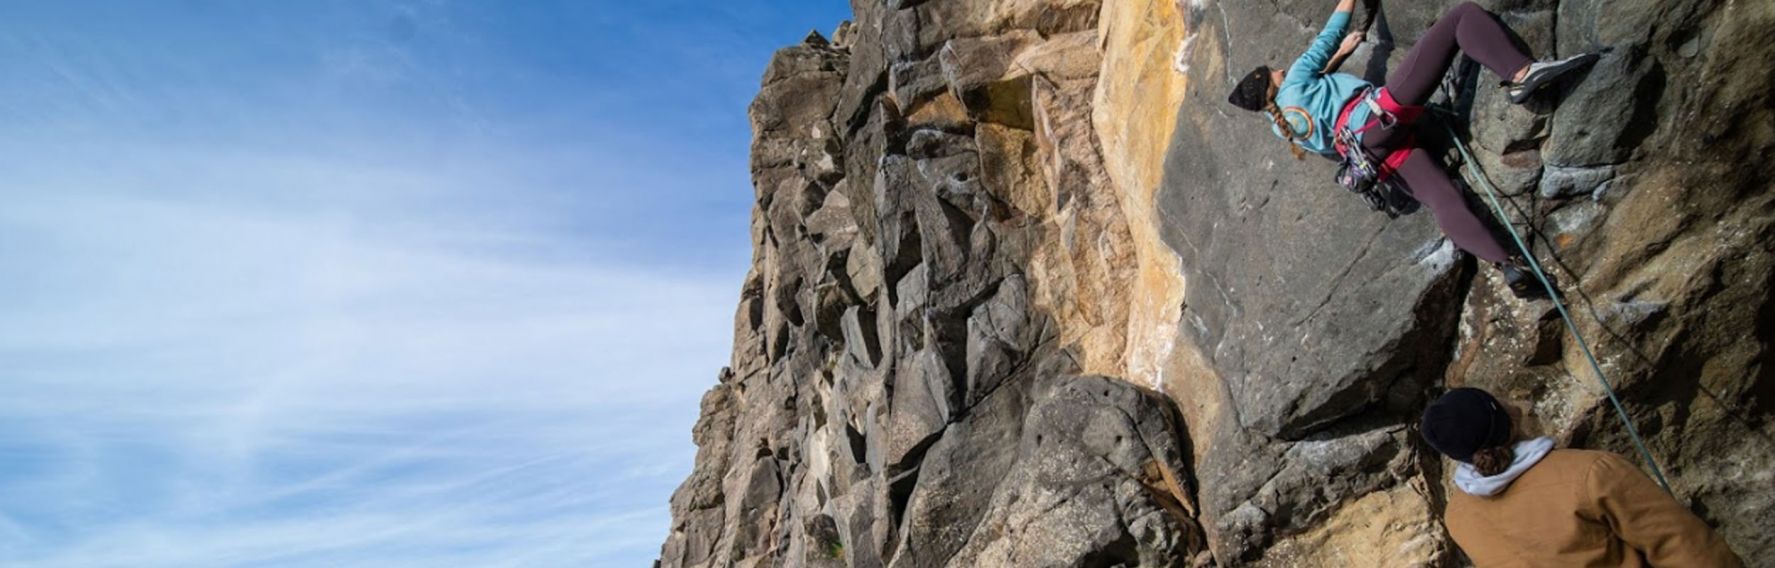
[1478, 178]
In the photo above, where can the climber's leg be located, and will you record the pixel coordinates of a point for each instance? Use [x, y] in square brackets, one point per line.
[1428, 183]
[1466, 27]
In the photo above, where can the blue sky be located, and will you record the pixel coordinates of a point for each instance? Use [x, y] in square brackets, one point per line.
[366, 283]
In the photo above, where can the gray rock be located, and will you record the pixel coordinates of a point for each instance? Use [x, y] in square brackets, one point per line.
[866, 72]
[914, 82]
[1619, 110]
[931, 144]
[970, 64]
[957, 478]
[832, 226]
[898, 239]
[1088, 488]
[1560, 181]
[923, 403]
[860, 335]
[799, 91]
[863, 268]
[944, 230]
[999, 338]
[862, 537]
[1310, 320]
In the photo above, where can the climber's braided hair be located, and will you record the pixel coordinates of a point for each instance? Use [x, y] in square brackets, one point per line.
[1257, 93]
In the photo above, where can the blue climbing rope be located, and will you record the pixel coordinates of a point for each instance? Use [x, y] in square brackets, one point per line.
[1491, 197]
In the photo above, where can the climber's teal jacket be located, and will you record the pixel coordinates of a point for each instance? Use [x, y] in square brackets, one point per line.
[1311, 100]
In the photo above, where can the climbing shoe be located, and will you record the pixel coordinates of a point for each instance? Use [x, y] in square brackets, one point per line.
[1522, 281]
[1542, 73]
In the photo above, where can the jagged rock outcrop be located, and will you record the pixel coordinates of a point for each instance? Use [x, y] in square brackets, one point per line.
[985, 229]
[943, 265]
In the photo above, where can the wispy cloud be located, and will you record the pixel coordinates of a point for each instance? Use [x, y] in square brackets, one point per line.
[189, 383]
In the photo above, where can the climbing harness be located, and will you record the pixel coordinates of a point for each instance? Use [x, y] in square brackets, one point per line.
[1477, 177]
[1358, 171]
[1362, 176]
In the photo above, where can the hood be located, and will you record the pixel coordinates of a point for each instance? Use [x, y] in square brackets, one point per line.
[1528, 453]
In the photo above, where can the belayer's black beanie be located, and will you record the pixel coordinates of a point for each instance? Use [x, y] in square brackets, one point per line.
[1465, 421]
[1253, 91]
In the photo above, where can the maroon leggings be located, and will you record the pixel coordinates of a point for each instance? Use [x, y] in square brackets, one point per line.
[1471, 29]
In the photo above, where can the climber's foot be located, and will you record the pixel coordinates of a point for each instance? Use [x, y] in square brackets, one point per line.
[1542, 73]
[1522, 281]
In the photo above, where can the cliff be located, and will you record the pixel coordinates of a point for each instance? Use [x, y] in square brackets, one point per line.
[1025, 294]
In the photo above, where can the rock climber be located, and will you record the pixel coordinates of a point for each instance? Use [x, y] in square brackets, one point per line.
[1522, 503]
[1311, 106]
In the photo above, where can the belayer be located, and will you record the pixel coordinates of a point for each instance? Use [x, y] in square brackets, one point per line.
[1318, 111]
[1522, 503]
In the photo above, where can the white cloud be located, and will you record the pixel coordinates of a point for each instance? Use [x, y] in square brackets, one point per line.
[197, 378]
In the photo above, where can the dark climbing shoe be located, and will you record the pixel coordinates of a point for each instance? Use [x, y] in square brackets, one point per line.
[1543, 73]
[1522, 281]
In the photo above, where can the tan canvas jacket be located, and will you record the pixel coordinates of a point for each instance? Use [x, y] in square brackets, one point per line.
[1583, 508]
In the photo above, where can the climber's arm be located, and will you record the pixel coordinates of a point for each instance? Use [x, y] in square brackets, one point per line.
[1343, 52]
[1318, 57]
[1649, 520]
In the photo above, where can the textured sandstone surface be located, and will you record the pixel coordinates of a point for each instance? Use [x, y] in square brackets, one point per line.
[1135, 108]
[1023, 295]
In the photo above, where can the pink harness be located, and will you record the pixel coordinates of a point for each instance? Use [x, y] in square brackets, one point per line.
[1390, 114]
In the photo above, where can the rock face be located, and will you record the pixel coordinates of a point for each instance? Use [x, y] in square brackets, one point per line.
[1022, 295]
[943, 270]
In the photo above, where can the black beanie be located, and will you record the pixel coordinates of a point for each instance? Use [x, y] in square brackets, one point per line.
[1464, 421]
[1253, 91]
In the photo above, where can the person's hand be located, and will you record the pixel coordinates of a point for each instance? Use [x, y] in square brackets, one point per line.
[1350, 42]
